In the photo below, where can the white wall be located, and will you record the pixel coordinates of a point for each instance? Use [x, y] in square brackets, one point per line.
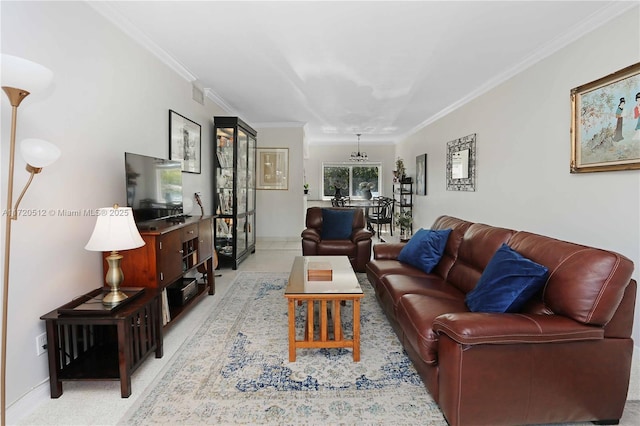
[279, 214]
[109, 95]
[523, 153]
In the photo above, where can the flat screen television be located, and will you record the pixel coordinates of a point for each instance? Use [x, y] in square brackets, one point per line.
[154, 187]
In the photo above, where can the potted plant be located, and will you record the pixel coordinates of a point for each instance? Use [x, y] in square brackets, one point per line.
[306, 188]
[403, 221]
[366, 188]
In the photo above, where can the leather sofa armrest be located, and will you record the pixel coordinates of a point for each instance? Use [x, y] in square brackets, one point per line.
[475, 328]
[388, 251]
[361, 235]
[311, 234]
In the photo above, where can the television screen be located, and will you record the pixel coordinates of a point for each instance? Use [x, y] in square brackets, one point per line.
[154, 187]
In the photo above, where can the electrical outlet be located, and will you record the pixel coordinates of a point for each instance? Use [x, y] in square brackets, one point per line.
[41, 344]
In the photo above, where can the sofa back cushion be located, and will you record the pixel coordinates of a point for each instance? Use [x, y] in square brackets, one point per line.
[478, 245]
[458, 228]
[585, 283]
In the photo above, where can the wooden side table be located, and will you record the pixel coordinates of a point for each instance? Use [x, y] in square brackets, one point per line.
[85, 342]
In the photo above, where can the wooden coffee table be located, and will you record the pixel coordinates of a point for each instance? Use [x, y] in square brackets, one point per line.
[343, 286]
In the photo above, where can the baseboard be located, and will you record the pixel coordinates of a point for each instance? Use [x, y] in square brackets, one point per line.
[29, 402]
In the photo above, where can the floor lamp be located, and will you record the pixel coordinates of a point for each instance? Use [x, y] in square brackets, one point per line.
[20, 77]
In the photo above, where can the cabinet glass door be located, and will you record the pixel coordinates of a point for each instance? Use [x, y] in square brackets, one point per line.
[224, 178]
[251, 178]
[224, 190]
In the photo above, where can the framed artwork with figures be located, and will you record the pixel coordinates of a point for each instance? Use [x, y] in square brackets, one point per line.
[605, 123]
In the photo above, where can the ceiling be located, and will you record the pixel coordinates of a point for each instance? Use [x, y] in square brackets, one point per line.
[383, 68]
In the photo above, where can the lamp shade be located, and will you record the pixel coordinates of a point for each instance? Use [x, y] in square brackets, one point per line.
[23, 74]
[38, 152]
[115, 230]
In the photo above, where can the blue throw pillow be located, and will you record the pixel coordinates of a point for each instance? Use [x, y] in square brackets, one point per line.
[337, 224]
[507, 283]
[425, 248]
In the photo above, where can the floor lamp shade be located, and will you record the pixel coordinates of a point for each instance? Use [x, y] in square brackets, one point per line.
[23, 74]
[39, 153]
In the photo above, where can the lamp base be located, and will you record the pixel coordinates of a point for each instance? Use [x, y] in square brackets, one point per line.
[114, 278]
[114, 297]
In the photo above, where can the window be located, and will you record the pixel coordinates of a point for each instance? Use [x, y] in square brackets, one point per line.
[348, 178]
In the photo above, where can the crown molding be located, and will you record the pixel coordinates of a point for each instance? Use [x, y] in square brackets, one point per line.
[590, 24]
[279, 125]
[217, 99]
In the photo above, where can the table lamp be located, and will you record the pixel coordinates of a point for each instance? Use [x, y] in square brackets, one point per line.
[115, 230]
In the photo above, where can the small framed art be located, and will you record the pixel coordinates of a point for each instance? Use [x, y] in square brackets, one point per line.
[185, 142]
[421, 174]
[273, 168]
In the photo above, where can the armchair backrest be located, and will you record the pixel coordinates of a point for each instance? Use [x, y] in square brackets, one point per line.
[314, 217]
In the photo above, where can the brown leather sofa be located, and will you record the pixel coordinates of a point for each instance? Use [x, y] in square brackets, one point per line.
[357, 246]
[565, 358]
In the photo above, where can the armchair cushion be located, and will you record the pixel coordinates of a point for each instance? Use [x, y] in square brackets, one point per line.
[507, 283]
[337, 224]
[425, 249]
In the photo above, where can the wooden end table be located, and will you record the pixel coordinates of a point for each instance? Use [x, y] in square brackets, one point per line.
[342, 287]
[85, 342]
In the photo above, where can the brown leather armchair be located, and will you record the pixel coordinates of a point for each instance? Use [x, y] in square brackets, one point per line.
[357, 246]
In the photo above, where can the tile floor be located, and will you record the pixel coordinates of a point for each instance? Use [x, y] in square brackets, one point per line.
[99, 403]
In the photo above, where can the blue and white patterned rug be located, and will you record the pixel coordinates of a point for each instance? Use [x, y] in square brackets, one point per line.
[235, 369]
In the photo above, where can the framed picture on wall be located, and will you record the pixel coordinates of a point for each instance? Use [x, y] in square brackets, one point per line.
[421, 174]
[605, 123]
[185, 142]
[272, 168]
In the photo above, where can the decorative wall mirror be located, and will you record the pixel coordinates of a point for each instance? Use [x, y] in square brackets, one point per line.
[461, 164]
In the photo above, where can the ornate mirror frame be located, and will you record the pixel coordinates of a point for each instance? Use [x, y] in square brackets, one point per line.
[461, 158]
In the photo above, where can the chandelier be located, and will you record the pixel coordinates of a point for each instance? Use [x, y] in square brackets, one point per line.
[359, 156]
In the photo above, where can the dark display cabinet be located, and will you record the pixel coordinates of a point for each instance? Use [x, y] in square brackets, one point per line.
[234, 190]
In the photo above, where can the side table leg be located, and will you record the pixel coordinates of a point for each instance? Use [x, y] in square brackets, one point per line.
[292, 330]
[54, 359]
[124, 359]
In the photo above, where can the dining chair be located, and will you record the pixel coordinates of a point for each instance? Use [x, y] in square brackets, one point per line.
[382, 214]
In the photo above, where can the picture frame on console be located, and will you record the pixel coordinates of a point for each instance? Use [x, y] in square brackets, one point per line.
[605, 123]
[273, 168]
[185, 142]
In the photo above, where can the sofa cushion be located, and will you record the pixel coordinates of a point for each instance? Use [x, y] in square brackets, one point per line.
[393, 287]
[337, 224]
[507, 283]
[425, 249]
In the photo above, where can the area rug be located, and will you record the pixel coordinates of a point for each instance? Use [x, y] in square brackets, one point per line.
[235, 369]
